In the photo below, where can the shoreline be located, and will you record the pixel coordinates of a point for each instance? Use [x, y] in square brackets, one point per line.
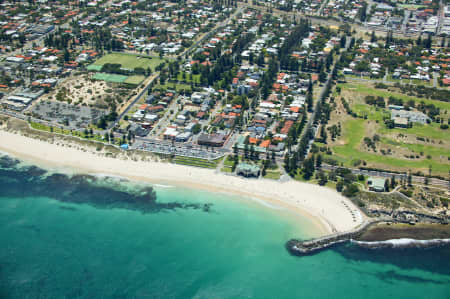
[328, 210]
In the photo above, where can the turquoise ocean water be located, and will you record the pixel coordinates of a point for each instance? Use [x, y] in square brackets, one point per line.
[71, 237]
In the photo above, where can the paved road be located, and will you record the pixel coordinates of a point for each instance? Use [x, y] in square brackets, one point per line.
[322, 93]
[386, 82]
[165, 120]
[416, 179]
[136, 99]
[211, 33]
[327, 22]
[440, 17]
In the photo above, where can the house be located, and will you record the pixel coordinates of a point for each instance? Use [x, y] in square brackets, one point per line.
[400, 122]
[171, 133]
[139, 130]
[247, 170]
[376, 184]
[150, 99]
[138, 115]
[216, 140]
[183, 137]
[155, 109]
[151, 117]
[411, 116]
[347, 71]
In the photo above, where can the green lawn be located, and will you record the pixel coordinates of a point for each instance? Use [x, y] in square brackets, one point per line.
[195, 162]
[411, 6]
[357, 76]
[367, 90]
[372, 113]
[422, 82]
[274, 175]
[390, 79]
[426, 131]
[136, 79]
[110, 77]
[353, 133]
[434, 151]
[176, 86]
[226, 169]
[195, 78]
[431, 130]
[129, 61]
[45, 128]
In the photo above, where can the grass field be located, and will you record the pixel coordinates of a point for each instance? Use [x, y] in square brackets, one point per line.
[274, 175]
[411, 6]
[353, 134]
[426, 131]
[45, 128]
[110, 77]
[367, 90]
[129, 61]
[434, 151]
[195, 78]
[136, 79]
[195, 162]
[371, 112]
[402, 142]
[175, 86]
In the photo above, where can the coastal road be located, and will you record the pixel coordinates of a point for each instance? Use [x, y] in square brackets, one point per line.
[385, 82]
[385, 174]
[321, 95]
[135, 100]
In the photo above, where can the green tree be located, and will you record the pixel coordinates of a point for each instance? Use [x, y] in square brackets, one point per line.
[386, 186]
[339, 186]
[318, 161]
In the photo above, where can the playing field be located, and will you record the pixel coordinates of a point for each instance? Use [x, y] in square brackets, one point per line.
[421, 147]
[128, 61]
[136, 80]
[110, 77]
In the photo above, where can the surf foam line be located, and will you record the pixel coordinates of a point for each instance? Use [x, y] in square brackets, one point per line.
[402, 243]
[163, 186]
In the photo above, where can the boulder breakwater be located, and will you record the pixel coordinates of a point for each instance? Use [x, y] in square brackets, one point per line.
[309, 247]
[374, 235]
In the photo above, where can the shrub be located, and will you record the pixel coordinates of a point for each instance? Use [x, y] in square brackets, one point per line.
[350, 190]
[339, 186]
[406, 192]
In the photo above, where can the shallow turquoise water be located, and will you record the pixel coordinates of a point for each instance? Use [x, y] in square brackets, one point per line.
[52, 247]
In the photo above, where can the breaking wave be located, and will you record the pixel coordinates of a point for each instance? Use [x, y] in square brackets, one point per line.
[402, 243]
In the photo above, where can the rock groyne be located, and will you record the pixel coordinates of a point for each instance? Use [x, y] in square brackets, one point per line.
[371, 235]
[309, 247]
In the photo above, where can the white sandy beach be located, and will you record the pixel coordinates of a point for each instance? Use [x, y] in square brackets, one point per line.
[329, 209]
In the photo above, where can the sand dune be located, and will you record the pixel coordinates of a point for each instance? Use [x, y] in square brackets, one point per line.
[330, 210]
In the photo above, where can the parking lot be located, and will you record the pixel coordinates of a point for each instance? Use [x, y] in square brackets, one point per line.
[169, 148]
[70, 115]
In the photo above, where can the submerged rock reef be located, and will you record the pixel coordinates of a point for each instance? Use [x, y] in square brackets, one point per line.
[17, 180]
